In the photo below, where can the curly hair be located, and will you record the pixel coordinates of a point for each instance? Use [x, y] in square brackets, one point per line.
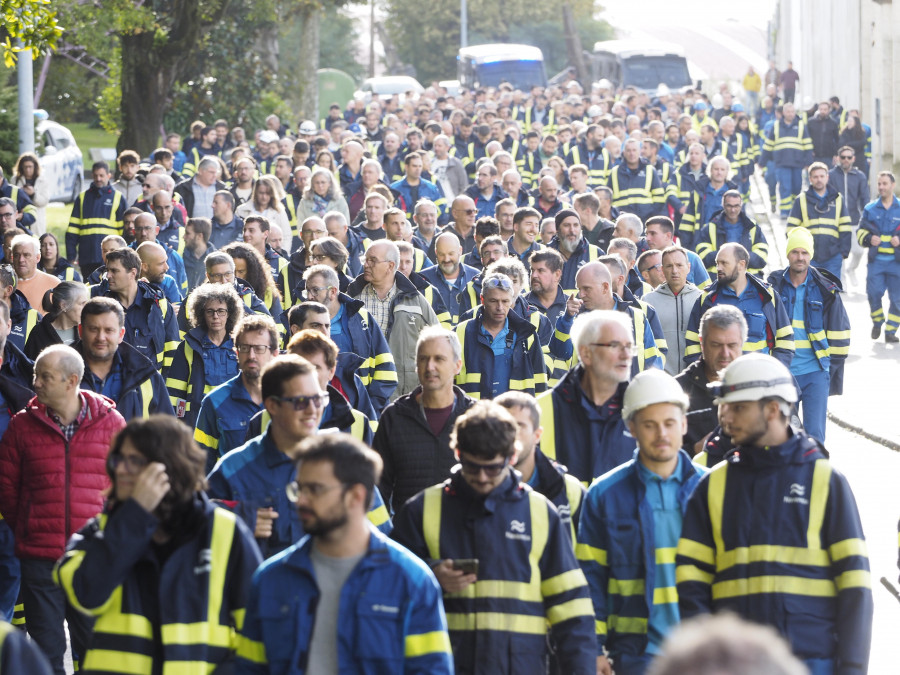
[259, 272]
[206, 293]
[164, 439]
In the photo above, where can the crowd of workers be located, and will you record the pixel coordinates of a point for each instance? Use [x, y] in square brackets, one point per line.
[496, 383]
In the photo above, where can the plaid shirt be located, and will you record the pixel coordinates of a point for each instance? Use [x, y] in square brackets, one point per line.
[70, 429]
[378, 308]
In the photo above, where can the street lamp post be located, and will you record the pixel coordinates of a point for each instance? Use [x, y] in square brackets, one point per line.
[463, 24]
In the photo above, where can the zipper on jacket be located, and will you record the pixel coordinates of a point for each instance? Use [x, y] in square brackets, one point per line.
[68, 515]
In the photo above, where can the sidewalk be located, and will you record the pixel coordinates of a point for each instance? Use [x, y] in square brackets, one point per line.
[872, 370]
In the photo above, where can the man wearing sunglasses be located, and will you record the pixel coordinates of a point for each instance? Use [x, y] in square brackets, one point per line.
[251, 479]
[502, 556]
[853, 186]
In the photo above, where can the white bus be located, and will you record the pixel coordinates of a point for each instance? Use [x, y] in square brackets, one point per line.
[489, 65]
[643, 65]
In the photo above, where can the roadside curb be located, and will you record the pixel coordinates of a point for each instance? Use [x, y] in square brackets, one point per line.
[891, 445]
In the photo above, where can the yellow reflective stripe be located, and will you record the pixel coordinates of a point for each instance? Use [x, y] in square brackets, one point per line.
[853, 579]
[626, 586]
[251, 650]
[548, 421]
[384, 375]
[846, 548]
[126, 663]
[64, 575]
[787, 555]
[570, 610]
[627, 624]
[561, 583]
[818, 498]
[146, 389]
[436, 642]
[204, 438]
[687, 573]
[378, 359]
[666, 556]
[497, 588]
[378, 516]
[838, 334]
[716, 497]
[820, 588]
[358, 428]
[509, 623]
[696, 551]
[431, 520]
[665, 595]
[600, 627]
[587, 552]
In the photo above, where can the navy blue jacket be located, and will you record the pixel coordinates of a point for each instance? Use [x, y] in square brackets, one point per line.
[150, 325]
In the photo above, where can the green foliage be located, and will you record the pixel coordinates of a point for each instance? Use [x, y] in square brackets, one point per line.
[9, 128]
[338, 40]
[70, 92]
[27, 24]
[426, 35]
[109, 103]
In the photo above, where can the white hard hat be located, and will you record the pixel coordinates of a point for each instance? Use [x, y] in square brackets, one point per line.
[595, 111]
[604, 84]
[651, 387]
[753, 377]
[663, 90]
[308, 127]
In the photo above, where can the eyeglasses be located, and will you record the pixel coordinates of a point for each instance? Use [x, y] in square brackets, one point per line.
[468, 212]
[657, 266]
[133, 463]
[315, 233]
[617, 346]
[319, 256]
[841, 156]
[490, 470]
[8, 214]
[310, 490]
[219, 278]
[498, 283]
[315, 290]
[217, 312]
[259, 350]
[372, 261]
[301, 403]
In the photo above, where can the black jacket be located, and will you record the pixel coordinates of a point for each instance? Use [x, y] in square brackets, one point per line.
[824, 134]
[42, 336]
[702, 412]
[15, 395]
[414, 458]
[16, 366]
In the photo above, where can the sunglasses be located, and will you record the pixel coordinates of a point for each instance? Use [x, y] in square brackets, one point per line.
[490, 470]
[498, 283]
[301, 403]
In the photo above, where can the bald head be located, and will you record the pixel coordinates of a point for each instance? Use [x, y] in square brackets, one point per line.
[594, 285]
[593, 271]
[154, 261]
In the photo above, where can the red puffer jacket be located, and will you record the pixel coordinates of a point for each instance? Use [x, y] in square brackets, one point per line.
[48, 491]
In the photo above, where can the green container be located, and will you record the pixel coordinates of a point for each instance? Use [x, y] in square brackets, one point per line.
[335, 86]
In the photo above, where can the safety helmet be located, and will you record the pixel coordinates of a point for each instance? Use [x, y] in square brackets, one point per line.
[753, 377]
[650, 387]
[663, 90]
[604, 84]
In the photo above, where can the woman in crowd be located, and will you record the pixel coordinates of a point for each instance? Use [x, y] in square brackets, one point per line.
[27, 177]
[265, 200]
[250, 266]
[321, 196]
[53, 263]
[854, 135]
[62, 306]
[164, 572]
[206, 357]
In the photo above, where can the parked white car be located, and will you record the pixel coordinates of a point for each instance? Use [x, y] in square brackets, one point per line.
[61, 161]
[388, 86]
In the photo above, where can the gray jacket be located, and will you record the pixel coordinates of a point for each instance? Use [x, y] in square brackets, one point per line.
[854, 189]
[673, 313]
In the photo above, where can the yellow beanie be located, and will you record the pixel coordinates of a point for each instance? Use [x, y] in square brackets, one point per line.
[800, 237]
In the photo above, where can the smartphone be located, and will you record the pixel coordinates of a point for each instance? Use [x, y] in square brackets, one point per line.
[466, 565]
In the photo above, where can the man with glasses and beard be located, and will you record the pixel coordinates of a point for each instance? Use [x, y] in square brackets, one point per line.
[251, 479]
[346, 596]
[483, 532]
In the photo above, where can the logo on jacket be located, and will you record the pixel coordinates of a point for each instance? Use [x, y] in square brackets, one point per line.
[517, 531]
[796, 494]
[204, 558]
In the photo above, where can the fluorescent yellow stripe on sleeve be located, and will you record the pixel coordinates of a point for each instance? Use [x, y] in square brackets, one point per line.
[846, 548]
[561, 583]
[436, 642]
[378, 516]
[853, 579]
[586, 552]
[570, 610]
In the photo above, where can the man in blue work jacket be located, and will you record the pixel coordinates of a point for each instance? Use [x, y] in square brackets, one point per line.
[251, 479]
[630, 527]
[346, 598]
[772, 533]
[812, 298]
[502, 557]
[879, 232]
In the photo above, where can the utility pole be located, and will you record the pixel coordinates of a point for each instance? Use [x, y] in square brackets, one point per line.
[25, 81]
[372, 38]
[463, 24]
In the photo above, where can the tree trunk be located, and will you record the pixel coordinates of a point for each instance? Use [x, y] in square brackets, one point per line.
[306, 79]
[573, 47]
[146, 84]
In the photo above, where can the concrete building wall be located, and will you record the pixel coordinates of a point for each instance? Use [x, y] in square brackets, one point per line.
[846, 48]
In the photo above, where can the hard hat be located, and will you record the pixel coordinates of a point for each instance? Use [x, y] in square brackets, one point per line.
[308, 127]
[604, 84]
[595, 111]
[737, 107]
[753, 377]
[650, 387]
[268, 136]
[701, 105]
[662, 90]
